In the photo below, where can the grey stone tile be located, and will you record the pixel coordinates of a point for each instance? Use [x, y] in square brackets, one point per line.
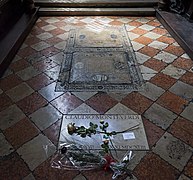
[183, 177]
[147, 73]
[188, 112]
[53, 73]
[120, 109]
[49, 92]
[43, 36]
[10, 116]
[29, 177]
[173, 151]
[183, 90]
[147, 27]
[141, 58]
[143, 20]
[152, 35]
[40, 46]
[158, 45]
[52, 20]
[128, 178]
[84, 95]
[130, 28]
[79, 177]
[165, 56]
[173, 71]
[118, 95]
[160, 116]
[133, 36]
[48, 27]
[19, 92]
[152, 91]
[45, 116]
[136, 46]
[83, 109]
[28, 73]
[5, 147]
[58, 58]
[36, 151]
[60, 45]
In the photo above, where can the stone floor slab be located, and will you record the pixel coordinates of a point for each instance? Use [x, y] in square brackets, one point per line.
[173, 151]
[187, 113]
[10, 116]
[45, 116]
[160, 116]
[35, 151]
[5, 147]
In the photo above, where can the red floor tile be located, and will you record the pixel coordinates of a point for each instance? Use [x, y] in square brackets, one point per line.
[183, 63]
[137, 102]
[153, 132]
[172, 102]
[162, 80]
[187, 78]
[176, 50]
[101, 102]
[13, 168]
[154, 168]
[189, 168]
[9, 82]
[21, 132]
[149, 51]
[66, 103]
[182, 129]
[39, 81]
[19, 65]
[5, 101]
[53, 132]
[45, 171]
[155, 64]
[31, 103]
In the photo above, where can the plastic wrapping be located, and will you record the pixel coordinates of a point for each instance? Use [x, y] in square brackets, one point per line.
[71, 157]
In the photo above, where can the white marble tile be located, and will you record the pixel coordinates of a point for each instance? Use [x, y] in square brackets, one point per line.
[45, 116]
[152, 35]
[158, 45]
[120, 109]
[19, 92]
[10, 116]
[165, 56]
[84, 95]
[36, 151]
[83, 109]
[147, 27]
[5, 147]
[48, 28]
[141, 58]
[173, 71]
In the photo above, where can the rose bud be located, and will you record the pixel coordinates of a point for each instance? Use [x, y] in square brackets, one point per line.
[71, 128]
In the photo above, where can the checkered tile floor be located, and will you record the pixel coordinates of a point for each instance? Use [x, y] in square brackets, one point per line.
[31, 112]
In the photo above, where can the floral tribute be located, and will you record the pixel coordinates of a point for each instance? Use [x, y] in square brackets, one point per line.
[72, 157]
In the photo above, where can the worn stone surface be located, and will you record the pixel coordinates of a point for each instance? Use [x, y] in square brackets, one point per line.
[173, 151]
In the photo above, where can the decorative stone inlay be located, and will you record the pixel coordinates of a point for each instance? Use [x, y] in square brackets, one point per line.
[99, 61]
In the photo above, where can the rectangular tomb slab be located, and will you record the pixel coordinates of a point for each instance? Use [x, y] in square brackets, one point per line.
[109, 67]
[134, 139]
[91, 37]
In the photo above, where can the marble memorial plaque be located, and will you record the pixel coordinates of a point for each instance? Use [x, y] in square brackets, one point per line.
[99, 61]
[133, 139]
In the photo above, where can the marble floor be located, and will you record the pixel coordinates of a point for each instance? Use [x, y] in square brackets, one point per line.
[31, 111]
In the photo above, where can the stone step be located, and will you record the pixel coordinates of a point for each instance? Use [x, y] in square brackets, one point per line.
[96, 11]
[96, 3]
